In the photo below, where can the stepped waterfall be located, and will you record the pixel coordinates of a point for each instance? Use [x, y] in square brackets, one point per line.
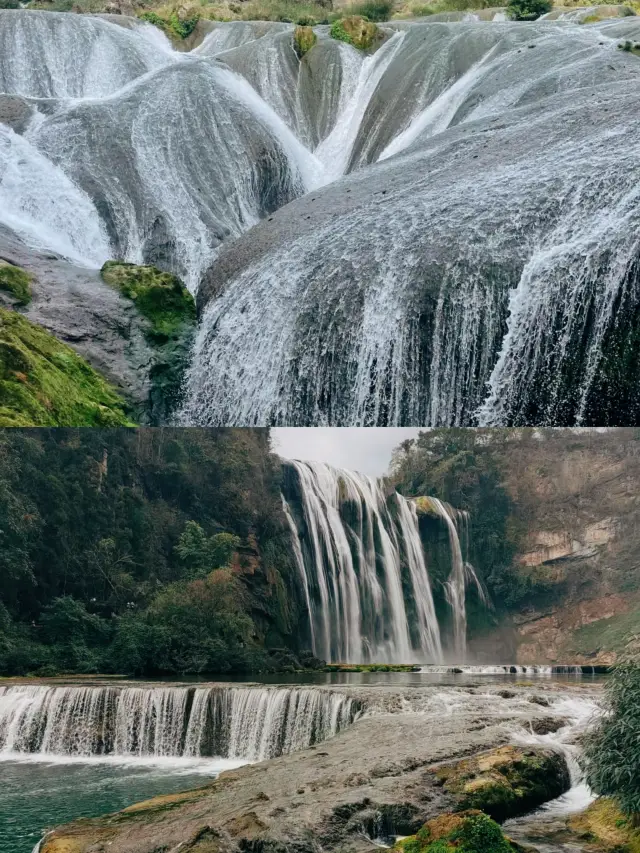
[438, 233]
[362, 569]
[250, 723]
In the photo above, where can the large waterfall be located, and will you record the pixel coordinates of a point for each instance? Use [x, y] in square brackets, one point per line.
[365, 581]
[442, 232]
[251, 723]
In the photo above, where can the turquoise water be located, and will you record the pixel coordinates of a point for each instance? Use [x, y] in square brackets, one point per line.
[35, 796]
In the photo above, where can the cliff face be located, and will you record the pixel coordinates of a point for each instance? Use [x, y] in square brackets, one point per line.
[577, 497]
[555, 532]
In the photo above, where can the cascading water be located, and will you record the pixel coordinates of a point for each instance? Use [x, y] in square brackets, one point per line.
[250, 723]
[363, 572]
[488, 165]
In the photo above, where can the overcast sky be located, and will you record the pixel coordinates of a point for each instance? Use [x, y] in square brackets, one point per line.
[365, 449]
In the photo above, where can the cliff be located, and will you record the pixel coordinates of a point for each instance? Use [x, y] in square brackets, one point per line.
[554, 530]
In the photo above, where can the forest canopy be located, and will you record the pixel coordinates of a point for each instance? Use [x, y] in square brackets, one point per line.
[141, 551]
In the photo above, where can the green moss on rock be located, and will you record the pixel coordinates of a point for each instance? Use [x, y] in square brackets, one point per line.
[507, 781]
[466, 832]
[304, 39]
[16, 281]
[357, 31]
[159, 296]
[43, 382]
[166, 303]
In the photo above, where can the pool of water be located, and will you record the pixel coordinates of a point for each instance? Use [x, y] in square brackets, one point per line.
[35, 796]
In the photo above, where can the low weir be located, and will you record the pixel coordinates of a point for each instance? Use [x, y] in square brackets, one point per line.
[251, 723]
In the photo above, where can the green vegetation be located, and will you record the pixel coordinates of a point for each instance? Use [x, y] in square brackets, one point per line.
[9, 4]
[613, 634]
[605, 828]
[356, 31]
[372, 10]
[144, 552]
[165, 302]
[304, 39]
[159, 296]
[468, 832]
[505, 782]
[173, 25]
[43, 382]
[15, 281]
[612, 750]
[528, 10]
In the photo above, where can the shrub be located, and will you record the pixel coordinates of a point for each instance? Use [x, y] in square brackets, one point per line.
[612, 751]
[373, 10]
[356, 31]
[304, 39]
[528, 10]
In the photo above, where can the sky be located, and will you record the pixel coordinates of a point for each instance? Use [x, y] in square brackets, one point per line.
[364, 449]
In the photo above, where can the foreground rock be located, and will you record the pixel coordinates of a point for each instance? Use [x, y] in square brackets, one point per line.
[506, 781]
[378, 778]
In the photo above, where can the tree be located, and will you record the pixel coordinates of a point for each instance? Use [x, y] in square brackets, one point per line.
[612, 750]
[528, 10]
[201, 554]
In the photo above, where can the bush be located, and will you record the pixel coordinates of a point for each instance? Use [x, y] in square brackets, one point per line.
[373, 10]
[612, 751]
[528, 10]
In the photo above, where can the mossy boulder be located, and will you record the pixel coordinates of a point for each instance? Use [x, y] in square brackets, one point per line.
[505, 782]
[43, 382]
[168, 306]
[466, 832]
[16, 281]
[357, 31]
[304, 39]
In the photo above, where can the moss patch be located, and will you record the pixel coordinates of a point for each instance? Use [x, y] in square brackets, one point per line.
[507, 781]
[159, 296]
[166, 303]
[304, 39]
[43, 382]
[16, 281]
[357, 31]
[466, 832]
[604, 825]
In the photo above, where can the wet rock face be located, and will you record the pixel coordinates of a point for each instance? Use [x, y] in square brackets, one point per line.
[15, 112]
[450, 173]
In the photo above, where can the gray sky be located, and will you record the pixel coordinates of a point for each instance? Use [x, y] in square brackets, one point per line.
[364, 449]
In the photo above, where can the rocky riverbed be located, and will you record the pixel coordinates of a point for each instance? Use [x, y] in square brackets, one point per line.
[411, 755]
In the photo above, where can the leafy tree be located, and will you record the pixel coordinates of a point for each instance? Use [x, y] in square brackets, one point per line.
[612, 750]
[200, 553]
[528, 10]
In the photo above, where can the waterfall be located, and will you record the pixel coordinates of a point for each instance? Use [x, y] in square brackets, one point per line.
[252, 723]
[363, 572]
